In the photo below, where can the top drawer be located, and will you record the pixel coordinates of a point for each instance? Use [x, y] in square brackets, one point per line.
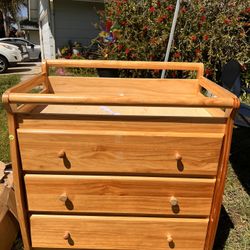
[119, 151]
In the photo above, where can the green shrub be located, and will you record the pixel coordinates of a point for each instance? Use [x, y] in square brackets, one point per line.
[208, 31]
[5, 83]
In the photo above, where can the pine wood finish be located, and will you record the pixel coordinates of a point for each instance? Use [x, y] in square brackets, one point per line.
[127, 195]
[135, 87]
[103, 163]
[120, 152]
[91, 232]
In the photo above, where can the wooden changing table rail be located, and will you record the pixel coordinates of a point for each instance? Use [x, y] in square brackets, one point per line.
[171, 100]
[113, 95]
[199, 67]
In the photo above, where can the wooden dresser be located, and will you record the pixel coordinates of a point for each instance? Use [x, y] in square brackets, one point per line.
[114, 163]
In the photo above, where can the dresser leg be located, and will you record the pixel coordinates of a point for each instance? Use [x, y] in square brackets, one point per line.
[220, 183]
[18, 181]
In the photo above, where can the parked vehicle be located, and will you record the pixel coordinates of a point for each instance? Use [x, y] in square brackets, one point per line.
[34, 51]
[10, 55]
[23, 49]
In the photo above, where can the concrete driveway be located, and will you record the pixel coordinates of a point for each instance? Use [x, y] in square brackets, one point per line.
[24, 69]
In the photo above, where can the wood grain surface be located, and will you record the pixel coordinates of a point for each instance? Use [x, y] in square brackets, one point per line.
[135, 123]
[90, 232]
[131, 86]
[124, 195]
[120, 151]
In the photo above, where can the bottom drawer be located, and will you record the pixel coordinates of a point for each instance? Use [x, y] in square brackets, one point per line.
[103, 232]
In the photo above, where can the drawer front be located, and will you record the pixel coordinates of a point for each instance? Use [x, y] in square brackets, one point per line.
[92, 232]
[120, 195]
[120, 152]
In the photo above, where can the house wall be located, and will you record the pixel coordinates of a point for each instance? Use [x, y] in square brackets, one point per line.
[74, 20]
[47, 39]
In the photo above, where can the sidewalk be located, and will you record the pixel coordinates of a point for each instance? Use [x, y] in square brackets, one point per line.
[25, 70]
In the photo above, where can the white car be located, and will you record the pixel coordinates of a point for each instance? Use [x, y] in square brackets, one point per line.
[9, 56]
[33, 49]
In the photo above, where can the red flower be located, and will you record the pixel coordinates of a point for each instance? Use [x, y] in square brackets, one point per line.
[177, 55]
[193, 38]
[152, 9]
[158, 4]
[119, 47]
[227, 21]
[205, 37]
[170, 7]
[183, 10]
[123, 23]
[197, 52]
[160, 19]
[108, 25]
[247, 10]
[203, 18]
[208, 71]
[68, 56]
[145, 28]
[118, 3]
[127, 51]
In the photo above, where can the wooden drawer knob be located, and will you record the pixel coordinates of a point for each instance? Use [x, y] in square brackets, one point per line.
[173, 201]
[66, 235]
[178, 157]
[63, 197]
[61, 154]
[169, 238]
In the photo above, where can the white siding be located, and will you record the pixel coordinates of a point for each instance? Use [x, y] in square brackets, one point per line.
[45, 30]
[74, 20]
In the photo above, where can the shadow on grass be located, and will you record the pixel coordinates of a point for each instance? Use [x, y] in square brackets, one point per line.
[240, 162]
[240, 156]
[224, 227]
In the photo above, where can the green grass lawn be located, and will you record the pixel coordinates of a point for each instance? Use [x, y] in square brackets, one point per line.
[5, 83]
[235, 218]
[234, 227]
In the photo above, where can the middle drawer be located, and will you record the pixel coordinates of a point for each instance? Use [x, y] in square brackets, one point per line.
[119, 194]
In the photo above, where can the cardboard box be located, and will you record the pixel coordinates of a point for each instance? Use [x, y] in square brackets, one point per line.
[9, 226]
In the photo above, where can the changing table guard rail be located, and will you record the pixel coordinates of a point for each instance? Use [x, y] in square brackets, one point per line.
[18, 94]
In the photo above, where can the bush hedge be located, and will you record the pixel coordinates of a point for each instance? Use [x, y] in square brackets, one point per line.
[208, 31]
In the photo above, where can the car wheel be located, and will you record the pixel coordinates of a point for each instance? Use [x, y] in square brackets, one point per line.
[3, 64]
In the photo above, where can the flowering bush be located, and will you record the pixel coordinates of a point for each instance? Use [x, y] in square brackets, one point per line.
[207, 31]
[66, 52]
[212, 32]
[135, 30]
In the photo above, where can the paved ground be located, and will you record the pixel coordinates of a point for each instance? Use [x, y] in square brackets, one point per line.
[25, 69]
